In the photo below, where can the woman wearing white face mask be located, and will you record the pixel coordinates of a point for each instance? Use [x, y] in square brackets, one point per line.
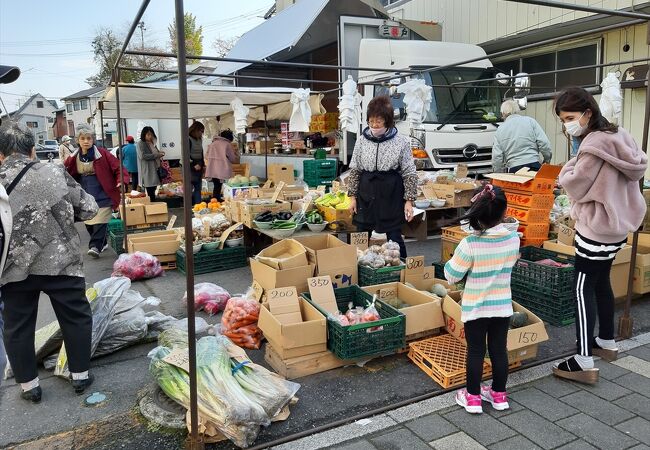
[383, 180]
[603, 184]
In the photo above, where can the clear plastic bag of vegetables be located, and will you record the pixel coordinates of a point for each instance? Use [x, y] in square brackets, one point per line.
[268, 389]
[137, 266]
[125, 329]
[239, 322]
[209, 297]
[103, 297]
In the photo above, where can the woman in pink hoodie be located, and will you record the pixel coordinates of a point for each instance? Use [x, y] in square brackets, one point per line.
[606, 203]
[219, 159]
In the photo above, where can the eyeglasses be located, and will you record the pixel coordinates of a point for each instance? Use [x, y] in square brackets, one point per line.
[376, 121]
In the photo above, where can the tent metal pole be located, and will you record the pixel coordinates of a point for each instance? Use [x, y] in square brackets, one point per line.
[101, 124]
[626, 321]
[266, 142]
[116, 80]
[134, 25]
[584, 8]
[194, 441]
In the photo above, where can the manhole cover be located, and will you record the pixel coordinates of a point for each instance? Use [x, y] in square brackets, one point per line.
[165, 403]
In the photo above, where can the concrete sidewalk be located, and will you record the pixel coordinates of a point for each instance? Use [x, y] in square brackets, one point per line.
[546, 412]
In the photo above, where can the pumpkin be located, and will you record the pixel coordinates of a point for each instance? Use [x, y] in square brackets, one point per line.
[518, 319]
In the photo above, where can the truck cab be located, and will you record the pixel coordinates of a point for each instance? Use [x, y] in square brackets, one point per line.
[460, 124]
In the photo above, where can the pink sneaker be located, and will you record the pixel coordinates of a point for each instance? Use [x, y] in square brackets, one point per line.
[499, 400]
[471, 403]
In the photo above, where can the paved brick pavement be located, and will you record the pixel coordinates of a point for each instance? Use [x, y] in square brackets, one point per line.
[547, 413]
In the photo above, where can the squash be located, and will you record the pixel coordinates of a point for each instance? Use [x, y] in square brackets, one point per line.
[518, 319]
[439, 290]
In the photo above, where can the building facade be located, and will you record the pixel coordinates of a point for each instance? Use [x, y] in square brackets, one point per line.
[81, 107]
[37, 114]
[500, 26]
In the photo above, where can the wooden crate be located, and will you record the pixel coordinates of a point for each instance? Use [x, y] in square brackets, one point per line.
[304, 365]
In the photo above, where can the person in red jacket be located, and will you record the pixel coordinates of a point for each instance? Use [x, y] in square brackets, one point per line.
[98, 173]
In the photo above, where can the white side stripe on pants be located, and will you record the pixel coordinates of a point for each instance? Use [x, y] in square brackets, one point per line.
[582, 316]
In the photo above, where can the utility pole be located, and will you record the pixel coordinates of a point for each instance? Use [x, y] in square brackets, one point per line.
[142, 28]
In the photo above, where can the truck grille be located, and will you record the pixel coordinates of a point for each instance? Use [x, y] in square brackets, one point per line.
[463, 155]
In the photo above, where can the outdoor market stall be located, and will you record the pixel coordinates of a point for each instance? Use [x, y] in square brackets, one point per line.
[300, 285]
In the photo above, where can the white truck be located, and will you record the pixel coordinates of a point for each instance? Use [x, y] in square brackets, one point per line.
[460, 124]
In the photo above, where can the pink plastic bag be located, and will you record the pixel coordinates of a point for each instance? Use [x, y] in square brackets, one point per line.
[137, 266]
[209, 297]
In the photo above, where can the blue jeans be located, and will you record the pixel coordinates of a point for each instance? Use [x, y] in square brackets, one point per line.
[3, 353]
[197, 182]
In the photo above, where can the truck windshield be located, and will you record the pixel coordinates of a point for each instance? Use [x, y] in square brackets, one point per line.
[479, 103]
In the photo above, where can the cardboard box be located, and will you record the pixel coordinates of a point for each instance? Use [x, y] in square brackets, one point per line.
[332, 257]
[156, 243]
[424, 312]
[156, 212]
[286, 254]
[622, 257]
[138, 200]
[133, 214]
[525, 215]
[537, 201]
[283, 304]
[270, 278]
[565, 234]
[642, 265]
[457, 195]
[522, 342]
[247, 212]
[304, 337]
[331, 214]
[424, 280]
[529, 182]
[281, 172]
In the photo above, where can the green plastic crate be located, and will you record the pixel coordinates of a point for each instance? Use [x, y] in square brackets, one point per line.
[318, 164]
[370, 277]
[115, 225]
[553, 282]
[558, 311]
[207, 261]
[439, 270]
[356, 341]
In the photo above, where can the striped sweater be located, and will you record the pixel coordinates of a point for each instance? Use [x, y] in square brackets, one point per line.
[487, 261]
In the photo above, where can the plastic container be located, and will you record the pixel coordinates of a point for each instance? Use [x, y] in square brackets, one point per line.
[217, 260]
[262, 225]
[422, 204]
[316, 227]
[370, 277]
[283, 234]
[234, 242]
[381, 337]
[438, 202]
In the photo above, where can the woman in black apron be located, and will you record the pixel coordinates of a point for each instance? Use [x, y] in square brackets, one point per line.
[383, 180]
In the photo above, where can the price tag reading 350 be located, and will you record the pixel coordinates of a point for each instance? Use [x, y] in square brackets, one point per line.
[322, 292]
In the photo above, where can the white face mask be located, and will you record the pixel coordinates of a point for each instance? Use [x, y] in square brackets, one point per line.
[574, 128]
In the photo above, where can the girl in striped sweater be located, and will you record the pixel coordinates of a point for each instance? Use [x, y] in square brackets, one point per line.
[486, 258]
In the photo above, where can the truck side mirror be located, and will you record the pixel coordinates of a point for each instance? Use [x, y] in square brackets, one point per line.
[523, 103]
[522, 85]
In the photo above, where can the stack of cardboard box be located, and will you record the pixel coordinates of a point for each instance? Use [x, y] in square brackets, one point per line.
[141, 212]
[530, 200]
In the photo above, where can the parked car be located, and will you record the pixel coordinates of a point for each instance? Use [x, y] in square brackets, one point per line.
[48, 150]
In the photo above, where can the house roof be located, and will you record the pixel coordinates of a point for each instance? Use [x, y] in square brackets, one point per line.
[85, 93]
[22, 107]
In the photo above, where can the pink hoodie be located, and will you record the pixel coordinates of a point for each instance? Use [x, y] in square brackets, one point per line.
[603, 184]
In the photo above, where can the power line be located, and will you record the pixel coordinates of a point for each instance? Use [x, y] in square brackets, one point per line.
[45, 54]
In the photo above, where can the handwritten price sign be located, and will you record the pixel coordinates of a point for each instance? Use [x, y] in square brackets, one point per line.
[360, 240]
[415, 263]
[388, 293]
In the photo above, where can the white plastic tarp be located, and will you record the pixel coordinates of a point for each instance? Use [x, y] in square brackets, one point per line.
[417, 98]
[350, 106]
[240, 113]
[301, 113]
[611, 100]
[160, 100]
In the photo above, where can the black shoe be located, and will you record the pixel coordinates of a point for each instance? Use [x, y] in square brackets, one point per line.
[33, 395]
[81, 385]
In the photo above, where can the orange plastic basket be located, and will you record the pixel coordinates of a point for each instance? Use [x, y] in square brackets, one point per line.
[537, 201]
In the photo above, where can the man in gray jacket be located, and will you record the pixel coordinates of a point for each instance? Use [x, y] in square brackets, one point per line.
[519, 142]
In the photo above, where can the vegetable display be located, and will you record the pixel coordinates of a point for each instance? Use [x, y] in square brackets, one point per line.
[137, 266]
[339, 200]
[237, 397]
[518, 319]
[239, 322]
[377, 256]
[357, 315]
[209, 297]
[314, 217]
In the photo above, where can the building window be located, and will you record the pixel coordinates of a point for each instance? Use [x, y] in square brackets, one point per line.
[32, 124]
[76, 105]
[68, 107]
[39, 104]
[563, 58]
[50, 120]
[84, 104]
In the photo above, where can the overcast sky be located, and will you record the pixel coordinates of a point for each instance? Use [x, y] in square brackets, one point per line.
[51, 41]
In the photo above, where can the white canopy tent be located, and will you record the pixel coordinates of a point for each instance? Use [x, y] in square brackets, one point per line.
[160, 101]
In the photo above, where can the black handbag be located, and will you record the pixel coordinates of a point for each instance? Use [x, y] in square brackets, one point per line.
[162, 173]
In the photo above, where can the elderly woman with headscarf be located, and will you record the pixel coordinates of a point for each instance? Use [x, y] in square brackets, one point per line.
[43, 256]
[98, 173]
[66, 148]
